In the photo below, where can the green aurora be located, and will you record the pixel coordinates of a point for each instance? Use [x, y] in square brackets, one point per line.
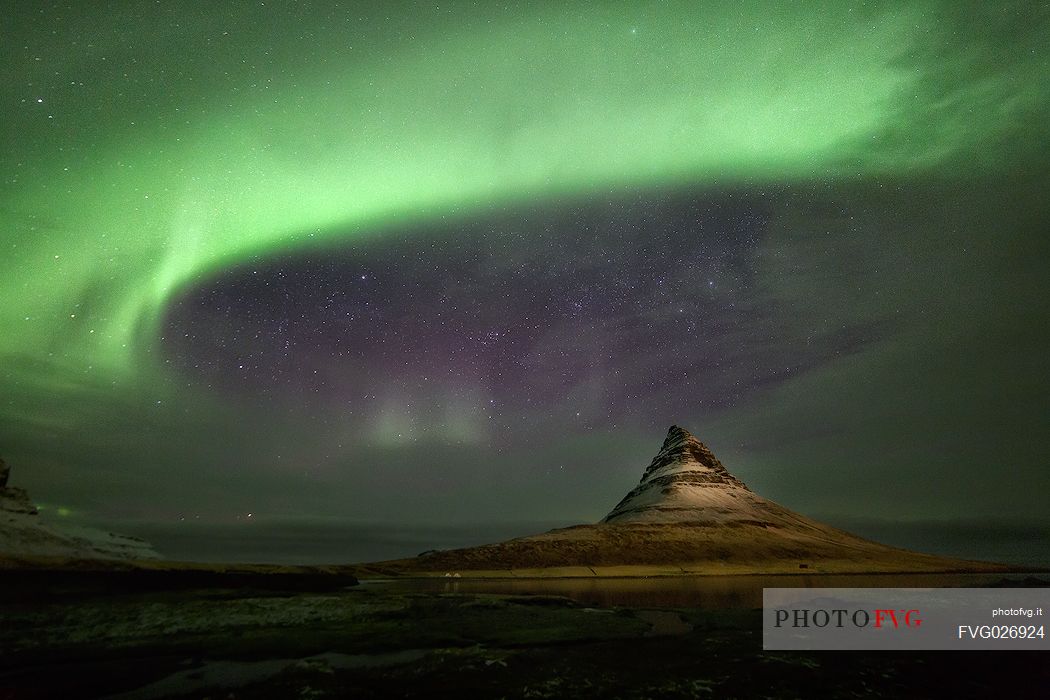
[106, 220]
[151, 149]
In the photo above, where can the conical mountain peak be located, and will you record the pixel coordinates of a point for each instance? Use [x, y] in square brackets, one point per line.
[685, 482]
[682, 451]
[687, 515]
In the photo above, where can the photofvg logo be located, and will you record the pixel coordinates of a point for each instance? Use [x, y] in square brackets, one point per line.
[840, 617]
[903, 618]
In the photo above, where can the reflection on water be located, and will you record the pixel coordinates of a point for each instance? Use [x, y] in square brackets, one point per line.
[710, 592]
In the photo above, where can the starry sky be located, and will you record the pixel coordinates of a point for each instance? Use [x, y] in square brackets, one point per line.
[452, 269]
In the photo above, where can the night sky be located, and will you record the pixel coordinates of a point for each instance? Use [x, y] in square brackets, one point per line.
[439, 268]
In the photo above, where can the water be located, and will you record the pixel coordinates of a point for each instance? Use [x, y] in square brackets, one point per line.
[707, 592]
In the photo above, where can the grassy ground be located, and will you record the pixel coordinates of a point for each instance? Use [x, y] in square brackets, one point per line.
[661, 549]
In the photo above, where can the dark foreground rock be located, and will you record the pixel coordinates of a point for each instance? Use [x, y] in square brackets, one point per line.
[368, 643]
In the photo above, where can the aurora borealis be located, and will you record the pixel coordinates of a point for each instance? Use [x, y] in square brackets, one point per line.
[390, 263]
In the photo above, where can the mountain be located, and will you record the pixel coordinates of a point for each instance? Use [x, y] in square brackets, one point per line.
[688, 514]
[685, 483]
[25, 535]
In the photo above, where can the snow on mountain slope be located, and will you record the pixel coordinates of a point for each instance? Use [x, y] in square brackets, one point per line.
[685, 483]
[23, 533]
